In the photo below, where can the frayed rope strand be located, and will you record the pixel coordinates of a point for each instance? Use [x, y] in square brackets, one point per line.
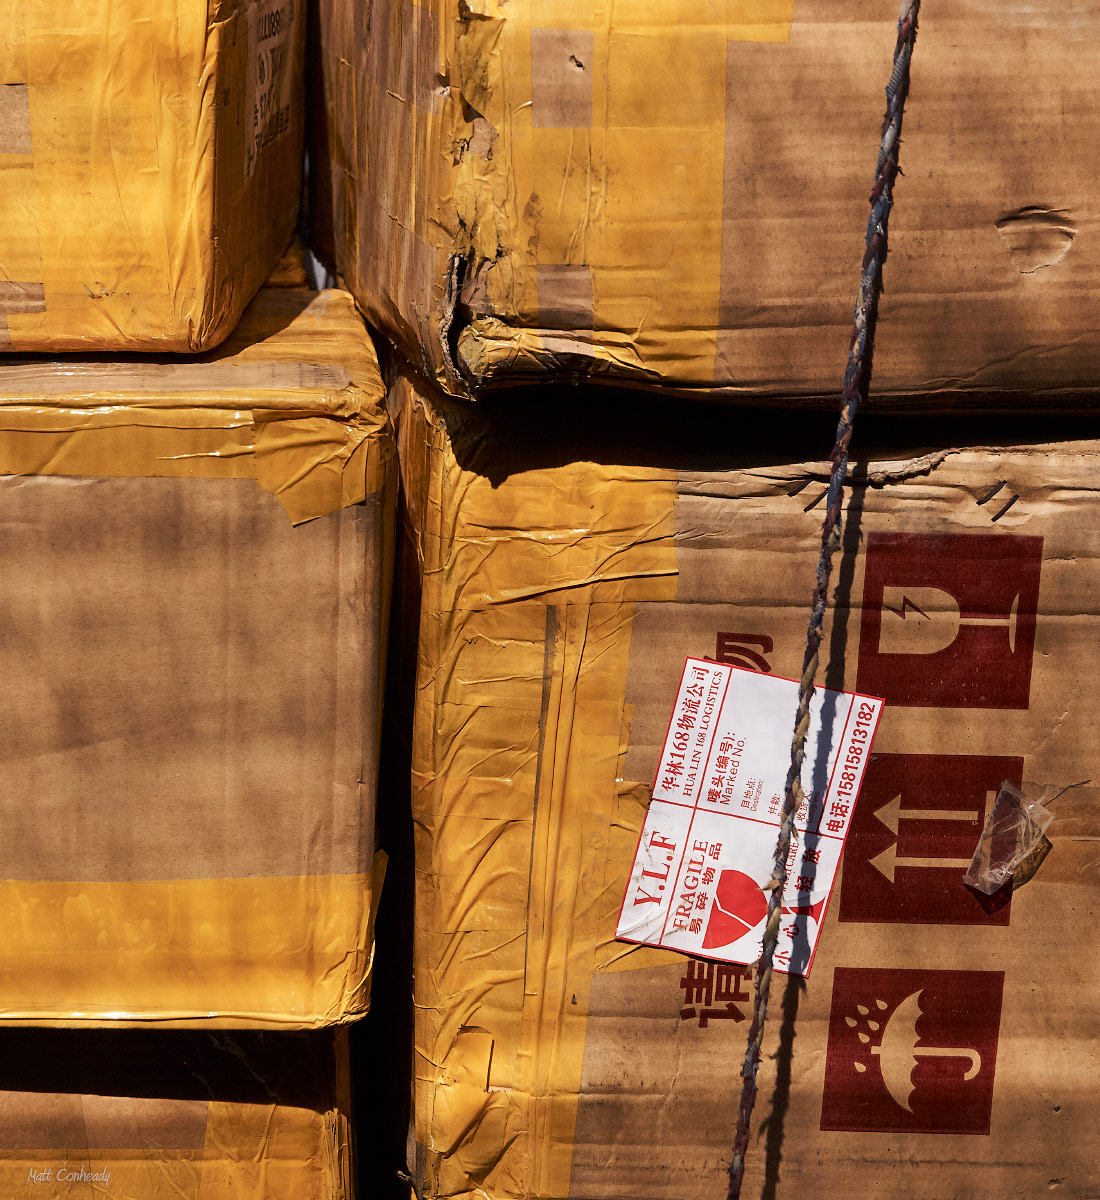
[857, 378]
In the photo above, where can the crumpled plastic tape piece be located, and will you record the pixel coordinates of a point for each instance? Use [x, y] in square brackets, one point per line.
[1015, 830]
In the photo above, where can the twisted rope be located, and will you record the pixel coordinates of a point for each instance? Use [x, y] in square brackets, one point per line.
[857, 378]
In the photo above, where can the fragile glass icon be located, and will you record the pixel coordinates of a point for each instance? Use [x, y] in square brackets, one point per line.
[740, 904]
[926, 620]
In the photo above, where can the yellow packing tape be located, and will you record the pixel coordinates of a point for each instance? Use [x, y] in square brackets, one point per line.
[293, 399]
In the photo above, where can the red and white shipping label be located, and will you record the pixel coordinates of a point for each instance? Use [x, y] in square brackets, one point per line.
[708, 843]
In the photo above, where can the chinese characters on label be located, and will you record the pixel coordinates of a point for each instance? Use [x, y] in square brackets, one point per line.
[947, 621]
[707, 847]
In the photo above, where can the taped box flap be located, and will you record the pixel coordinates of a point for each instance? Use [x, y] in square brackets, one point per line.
[293, 399]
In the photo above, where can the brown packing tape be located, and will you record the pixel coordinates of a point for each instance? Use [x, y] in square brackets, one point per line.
[525, 612]
[149, 169]
[559, 603]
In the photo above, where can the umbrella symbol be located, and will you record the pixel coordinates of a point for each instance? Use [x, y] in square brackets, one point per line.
[740, 904]
[898, 1051]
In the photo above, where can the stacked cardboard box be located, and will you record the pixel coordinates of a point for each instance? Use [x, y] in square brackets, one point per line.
[195, 602]
[663, 196]
[149, 168]
[671, 194]
[941, 1044]
[174, 1116]
[189, 772]
[195, 660]
[196, 597]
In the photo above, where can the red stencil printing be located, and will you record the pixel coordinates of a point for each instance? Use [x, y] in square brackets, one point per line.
[912, 1051]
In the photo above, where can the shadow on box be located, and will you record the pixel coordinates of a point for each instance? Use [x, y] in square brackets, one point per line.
[381, 1045]
[534, 428]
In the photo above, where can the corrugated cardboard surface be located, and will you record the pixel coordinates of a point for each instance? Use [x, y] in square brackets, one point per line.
[190, 759]
[236, 1116]
[560, 599]
[149, 168]
[676, 193]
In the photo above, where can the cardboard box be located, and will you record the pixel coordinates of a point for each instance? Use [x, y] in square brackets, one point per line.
[290, 270]
[175, 1116]
[940, 1047]
[676, 194]
[189, 763]
[150, 166]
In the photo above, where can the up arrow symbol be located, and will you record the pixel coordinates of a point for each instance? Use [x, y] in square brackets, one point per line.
[891, 813]
[889, 860]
